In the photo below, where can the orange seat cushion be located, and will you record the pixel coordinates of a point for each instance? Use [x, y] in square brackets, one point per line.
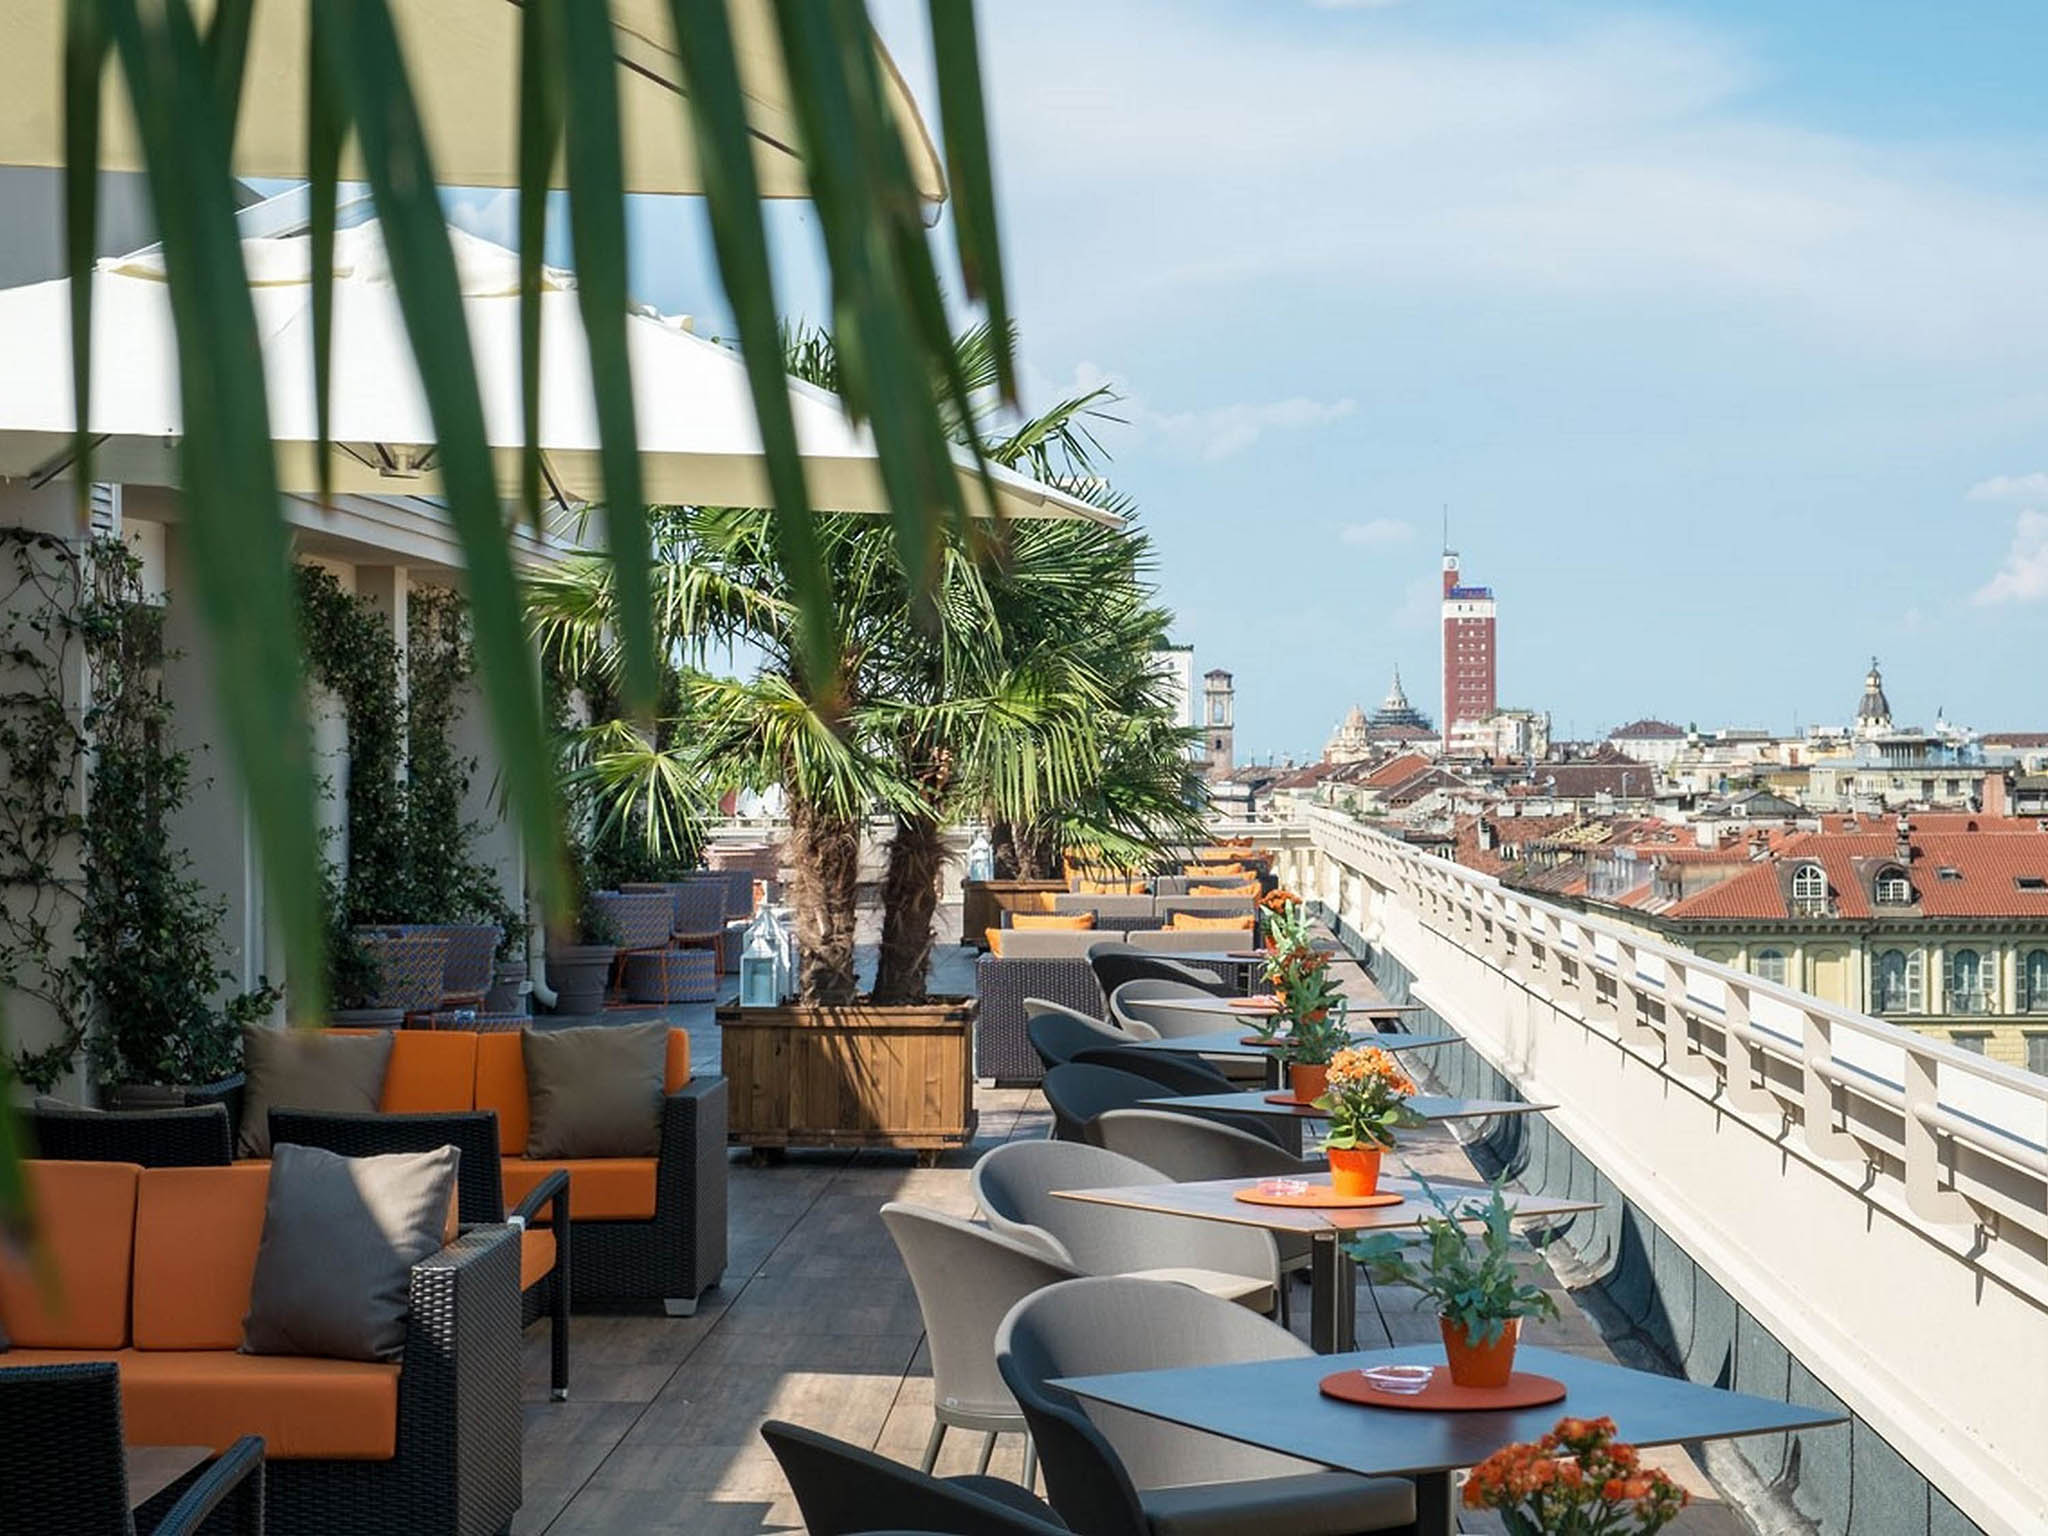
[536, 1256]
[196, 1235]
[995, 941]
[1131, 887]
[1249, 888]
[1190, 920]
[600, 1188]
[1052, 922]
[72, 1292]
[431, 1072]
[501, 1085]
[305, 1409]
[1213, 871]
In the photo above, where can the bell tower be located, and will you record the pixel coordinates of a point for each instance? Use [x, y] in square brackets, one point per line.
[1218, 730]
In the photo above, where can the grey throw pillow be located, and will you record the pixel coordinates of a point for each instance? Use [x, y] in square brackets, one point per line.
[340, 1237]
[595, 1091]
[307, 1069]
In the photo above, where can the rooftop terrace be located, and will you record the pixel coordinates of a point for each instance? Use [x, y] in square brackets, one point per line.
[817, 1323]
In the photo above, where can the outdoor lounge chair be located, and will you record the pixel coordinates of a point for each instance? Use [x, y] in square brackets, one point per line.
[544, 1268]
[64, 1472]
[1014, 1184]
[1137, 1001]
[842, 1489]
[1076, 1094]
[197, 1136]
[1115, 964]
[966, 1278]
[1058, 1034]
[1109, 1471]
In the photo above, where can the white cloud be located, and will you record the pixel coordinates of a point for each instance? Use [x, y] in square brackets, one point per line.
[1223, 430]
[1614, 159]
[2023, 578]
[2031, 487]
[1377, 532]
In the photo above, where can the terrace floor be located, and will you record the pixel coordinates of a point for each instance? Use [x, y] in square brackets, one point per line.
[817, 1323]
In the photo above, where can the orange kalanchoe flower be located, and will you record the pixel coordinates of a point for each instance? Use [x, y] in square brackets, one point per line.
[1577, 1470]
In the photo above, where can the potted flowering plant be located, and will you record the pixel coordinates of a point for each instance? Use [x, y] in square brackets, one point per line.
[1468, 1270]
[1575, 1481]
[1367, 1101]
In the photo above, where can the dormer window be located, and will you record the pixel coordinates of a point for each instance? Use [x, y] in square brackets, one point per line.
[1894, 889]
[1810, 890]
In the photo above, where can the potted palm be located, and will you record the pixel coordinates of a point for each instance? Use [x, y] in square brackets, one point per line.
[1467, 1269]
[1367, 1101]
[580, 953]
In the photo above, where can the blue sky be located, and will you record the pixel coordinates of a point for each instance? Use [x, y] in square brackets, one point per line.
[1722, 330]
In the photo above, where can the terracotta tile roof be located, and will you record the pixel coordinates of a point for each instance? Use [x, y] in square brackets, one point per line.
[2021, 739]
[1645, 728]
[1954, 874]
[1396, 769]
[1927, 821]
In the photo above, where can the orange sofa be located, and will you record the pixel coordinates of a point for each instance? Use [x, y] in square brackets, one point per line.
[646, 1228]
[151, 1269]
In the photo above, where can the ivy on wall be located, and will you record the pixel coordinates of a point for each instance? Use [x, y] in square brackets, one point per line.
[410, 857]
[139, 980]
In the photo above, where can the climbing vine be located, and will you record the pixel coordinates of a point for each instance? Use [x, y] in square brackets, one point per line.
[136, 983]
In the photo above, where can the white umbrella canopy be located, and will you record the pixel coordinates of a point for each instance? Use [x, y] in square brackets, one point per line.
[699, 443]
[463, 59]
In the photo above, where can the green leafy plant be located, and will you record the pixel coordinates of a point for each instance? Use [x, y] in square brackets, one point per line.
[1465, 1267]
[1314, 1038]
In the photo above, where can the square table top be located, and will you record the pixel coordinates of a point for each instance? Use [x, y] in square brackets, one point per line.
[1230, 1042]
[1216, 1200]
[1431, 1107]
[1274, 1404]
[1235, 1006]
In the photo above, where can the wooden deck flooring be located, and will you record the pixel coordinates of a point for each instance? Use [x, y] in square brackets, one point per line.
[817, 1323]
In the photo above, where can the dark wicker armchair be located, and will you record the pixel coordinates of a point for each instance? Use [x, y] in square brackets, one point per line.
[198, 1136]
[63, 1464]
[480, 1196]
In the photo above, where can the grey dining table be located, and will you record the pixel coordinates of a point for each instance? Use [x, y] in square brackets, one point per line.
[1333, 1278]
[1275, 1405]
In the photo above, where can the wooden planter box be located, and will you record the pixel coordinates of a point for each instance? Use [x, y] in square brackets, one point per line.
[983, 903]
[850, 1077]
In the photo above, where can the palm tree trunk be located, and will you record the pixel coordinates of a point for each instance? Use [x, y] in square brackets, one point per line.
[825, 858]
[910, 897]
[1002, 837]
[1038, 851]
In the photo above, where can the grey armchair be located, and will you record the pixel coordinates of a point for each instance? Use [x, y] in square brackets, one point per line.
[1187, 1147]
[1058, 1034]
[1114, 1473]
[1076, 1094]
[1115, 964]
[1175, 1072]
[841, 1489]
[1139, 998]
[966, 1278]
[1015, 1186]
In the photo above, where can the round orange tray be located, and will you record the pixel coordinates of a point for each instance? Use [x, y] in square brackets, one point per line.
[1525, 1389]
[1288, 1098]
[1320, 1197]
[1254, 1004]
[1274, 1039]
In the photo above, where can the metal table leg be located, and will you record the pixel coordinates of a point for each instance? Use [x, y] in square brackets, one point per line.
[1333, 1298]
[1436, 1504]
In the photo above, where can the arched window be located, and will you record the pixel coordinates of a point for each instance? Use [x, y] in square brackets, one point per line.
[1770, 965]
[1968, 976]
[1810, 889]
[1895, 984]
[2034, 981]
[1894, 889]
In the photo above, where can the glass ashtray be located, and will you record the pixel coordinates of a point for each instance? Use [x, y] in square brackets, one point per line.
[1283, 1189]
[1401, 1380]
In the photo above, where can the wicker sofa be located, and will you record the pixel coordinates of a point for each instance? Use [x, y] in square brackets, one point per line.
[646, 1229]
[155, 1265]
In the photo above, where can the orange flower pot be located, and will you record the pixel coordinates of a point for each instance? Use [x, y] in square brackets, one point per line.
[1355, 1170]
[1308, 1080]
[1480, 1365]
